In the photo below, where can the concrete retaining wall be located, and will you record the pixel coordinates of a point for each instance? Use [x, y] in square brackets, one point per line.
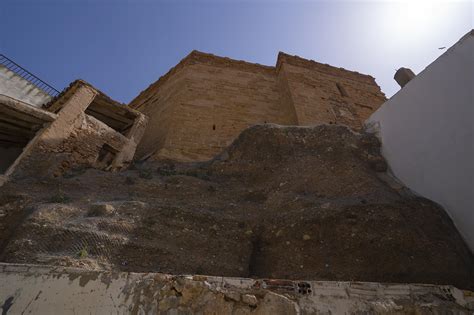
[26, 289]
[427, 134]
[15, 86]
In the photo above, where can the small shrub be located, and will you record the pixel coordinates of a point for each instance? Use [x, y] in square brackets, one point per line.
[83, 253]
[129, 181]
[146, 174]
[166, 171]
[211, 188]
[60, 197]
[76, 171]
[197, 173]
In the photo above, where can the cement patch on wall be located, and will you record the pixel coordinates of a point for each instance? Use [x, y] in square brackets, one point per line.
[57, 290]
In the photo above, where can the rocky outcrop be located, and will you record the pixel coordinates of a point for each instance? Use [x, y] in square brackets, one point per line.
[281, 202]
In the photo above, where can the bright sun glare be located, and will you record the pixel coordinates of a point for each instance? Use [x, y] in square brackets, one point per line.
[409, 21]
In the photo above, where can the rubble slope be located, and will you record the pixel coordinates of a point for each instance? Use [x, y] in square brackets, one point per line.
[309, 203]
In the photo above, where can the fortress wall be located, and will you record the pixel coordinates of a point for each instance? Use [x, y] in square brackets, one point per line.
[326, 94]
[217, 104]
[160, 105]
[202, 104]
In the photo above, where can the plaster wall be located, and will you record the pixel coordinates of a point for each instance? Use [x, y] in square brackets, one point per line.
[16, 87]
[427, 134]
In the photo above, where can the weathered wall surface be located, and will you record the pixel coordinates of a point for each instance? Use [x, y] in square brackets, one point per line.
[162, 109]
[427, 134]
[324, 94]
[71, 138]
[56, 290]
[219, 101]
[15, 86]
[202, 104]
[19, 124]
[205, 104]
[68, 137]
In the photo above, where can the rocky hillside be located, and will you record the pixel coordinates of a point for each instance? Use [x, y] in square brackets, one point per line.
[281, 202]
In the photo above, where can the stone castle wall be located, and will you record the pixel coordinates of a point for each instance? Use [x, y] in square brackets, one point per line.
[201, 105]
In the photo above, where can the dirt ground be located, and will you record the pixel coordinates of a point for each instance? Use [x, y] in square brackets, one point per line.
[309, 203]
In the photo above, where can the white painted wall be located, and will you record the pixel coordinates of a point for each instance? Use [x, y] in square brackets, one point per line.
[427, 134]
[15, 86]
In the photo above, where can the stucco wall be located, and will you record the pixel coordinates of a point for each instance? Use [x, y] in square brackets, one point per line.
[15, 86]
[427, 134]
[202, 104]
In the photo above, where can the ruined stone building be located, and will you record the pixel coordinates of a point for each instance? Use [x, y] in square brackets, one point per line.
[79, 127]
[202, 104]
[196, 110]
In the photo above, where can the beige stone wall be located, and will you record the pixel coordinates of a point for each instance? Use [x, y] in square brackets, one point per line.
[160, 105]
[216, 105]
[316, 91]
[200, 106]
[205, 104]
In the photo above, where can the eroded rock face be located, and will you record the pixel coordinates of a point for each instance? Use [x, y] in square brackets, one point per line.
[280, 202]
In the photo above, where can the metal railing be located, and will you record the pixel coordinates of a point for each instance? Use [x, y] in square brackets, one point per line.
[28, 76]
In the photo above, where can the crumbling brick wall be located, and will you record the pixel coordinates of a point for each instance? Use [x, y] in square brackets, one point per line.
[200, 106]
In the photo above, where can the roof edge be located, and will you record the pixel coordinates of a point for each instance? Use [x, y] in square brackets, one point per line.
[323, 67]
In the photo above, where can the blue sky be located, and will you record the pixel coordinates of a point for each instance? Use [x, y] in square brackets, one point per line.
[123, 46]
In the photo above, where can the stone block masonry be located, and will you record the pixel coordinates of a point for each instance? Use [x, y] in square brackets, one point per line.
[202, 104]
